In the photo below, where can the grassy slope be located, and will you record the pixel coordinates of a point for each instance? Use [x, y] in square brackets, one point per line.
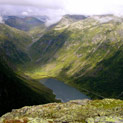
[14, 43]
[31, 25]
[86, 54]
[20, 38]
[16, 91]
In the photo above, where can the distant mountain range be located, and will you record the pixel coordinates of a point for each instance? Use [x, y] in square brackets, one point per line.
[33, 25]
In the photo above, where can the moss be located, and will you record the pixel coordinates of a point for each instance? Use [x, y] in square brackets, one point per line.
[77, 111]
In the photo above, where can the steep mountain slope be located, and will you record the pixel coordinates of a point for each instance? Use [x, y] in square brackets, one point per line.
[76, 111]
[67, 20]
[49, 39]
[16, 91]
[87, 54]
[23, 23]
[14, 43]
[34, 26]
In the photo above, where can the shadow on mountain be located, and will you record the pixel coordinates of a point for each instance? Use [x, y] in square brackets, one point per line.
[44, 50]
[103, 81]
[106, 78]
[16, 91]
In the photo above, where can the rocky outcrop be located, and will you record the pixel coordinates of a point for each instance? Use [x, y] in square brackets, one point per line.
[77, 111]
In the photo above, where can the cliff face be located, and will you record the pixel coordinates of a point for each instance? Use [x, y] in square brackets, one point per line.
[77, 111]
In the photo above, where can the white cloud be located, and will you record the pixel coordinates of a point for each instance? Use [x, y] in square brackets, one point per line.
[1, 20]
[25, 13]
[54, 9]
[73, 6]
[54, 4]
[94, 6]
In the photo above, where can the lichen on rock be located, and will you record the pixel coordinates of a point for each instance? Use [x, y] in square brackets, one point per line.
[76, 111]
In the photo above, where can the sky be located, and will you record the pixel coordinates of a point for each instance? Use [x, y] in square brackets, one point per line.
[55, 9]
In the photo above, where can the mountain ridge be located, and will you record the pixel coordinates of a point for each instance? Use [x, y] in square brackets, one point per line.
[18, 90]
[84, 52]
[13, 43]
[35, 26]
[71, 53]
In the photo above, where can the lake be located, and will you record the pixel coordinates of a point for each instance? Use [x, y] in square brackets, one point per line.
[63, 91]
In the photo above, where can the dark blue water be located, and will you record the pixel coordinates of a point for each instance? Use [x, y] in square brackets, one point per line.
[62, 91]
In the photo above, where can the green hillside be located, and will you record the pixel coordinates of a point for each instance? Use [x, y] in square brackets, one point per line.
[14, 43]
[16, 91]
[32, 25]
[86, 53]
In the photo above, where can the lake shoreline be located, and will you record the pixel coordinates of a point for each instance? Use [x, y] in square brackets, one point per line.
[63, 91]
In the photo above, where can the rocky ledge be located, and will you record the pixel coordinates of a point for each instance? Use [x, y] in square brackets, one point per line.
[76, 111]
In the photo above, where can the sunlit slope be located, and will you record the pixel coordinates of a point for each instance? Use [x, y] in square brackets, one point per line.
[87, 54]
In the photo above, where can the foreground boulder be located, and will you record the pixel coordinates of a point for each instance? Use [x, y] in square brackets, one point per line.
[77, 111]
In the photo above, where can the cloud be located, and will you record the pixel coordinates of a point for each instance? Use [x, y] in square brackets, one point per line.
[55, 9]
[1, 20]
[25, 13]
[91, 7]
[54, 4]
[53, 20]
[72, 6]
[54, 15]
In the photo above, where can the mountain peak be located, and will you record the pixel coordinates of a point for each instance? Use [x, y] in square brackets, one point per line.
[75, 17]
[107, 18]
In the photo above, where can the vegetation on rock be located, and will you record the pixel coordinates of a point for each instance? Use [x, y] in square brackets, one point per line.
[77, 111]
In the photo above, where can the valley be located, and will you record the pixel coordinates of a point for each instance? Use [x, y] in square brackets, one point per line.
[83, 52]
[86, 54]
[18, 90]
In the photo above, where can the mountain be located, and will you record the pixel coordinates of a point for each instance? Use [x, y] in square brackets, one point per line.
[75, 17]
[17, 91]
[76, 111]
[86, 53]
[67, 20]
[35, 26]
[22, 23]
[14, 43]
